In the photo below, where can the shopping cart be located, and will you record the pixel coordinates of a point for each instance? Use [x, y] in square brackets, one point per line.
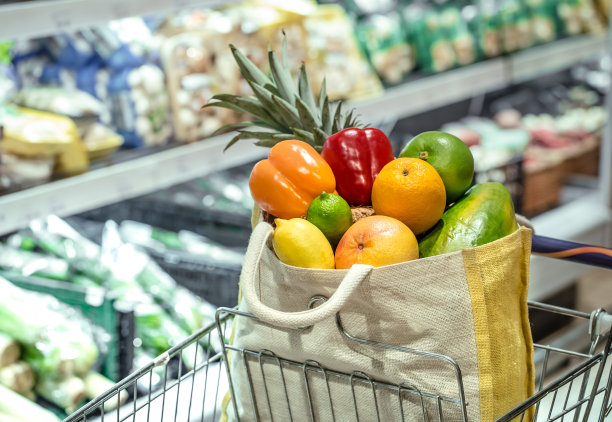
[572, 383]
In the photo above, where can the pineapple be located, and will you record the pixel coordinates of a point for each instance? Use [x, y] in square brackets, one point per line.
[277, 106]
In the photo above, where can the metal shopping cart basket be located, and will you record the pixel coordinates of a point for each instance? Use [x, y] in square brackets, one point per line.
[572, 384]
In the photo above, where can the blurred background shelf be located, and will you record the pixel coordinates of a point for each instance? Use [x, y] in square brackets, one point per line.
[121, 181]
[50, 17]
[152, 169]
[427, 93]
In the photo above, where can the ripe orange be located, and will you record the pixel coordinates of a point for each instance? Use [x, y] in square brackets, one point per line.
[410, 190]
[376, 240]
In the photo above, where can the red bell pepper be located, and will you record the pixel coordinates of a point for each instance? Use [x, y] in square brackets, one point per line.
[356, 156]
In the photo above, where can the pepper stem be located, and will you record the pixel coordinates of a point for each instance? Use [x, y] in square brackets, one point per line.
[423, 155]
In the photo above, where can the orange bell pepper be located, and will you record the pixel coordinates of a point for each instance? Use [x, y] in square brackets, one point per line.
[292, 176]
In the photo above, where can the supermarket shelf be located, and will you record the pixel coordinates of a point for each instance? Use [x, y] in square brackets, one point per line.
[427, 93]
[48, 17]
[121, 181]
[149, 173]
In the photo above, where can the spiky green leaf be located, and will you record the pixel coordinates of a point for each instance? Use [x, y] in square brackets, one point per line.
[326, 118]
[240, 125]
[309, 120]
[349, 119]
[322, 95]
[319, 137]
[333, 109]
[265, 97]
[304, 135]
[269, 138]
[244, 104]
[268, 143]
[249, 71]
[283, 79]
[338, 119]
[285, 56]
[305, 91]
[287, 112]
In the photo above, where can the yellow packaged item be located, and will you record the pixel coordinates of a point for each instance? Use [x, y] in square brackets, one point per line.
[101, 142]
[31, 133]
[73, 160]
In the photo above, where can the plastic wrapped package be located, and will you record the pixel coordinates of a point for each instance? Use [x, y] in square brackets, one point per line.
[333, 49]
[29, 58]
[199, 64]
[123, 43]
[80, 106]
[18, 171]
[31, 263]
[139, 106]
[32, 133]
[196, 65]
[578, 16]
[434, 50]
[58, 341]
[100, 141]
[543, 18]
[387, 46]
[516, 26]
[8, 76]
[71, 103]
[457, 32]
[70, 50]
[486, 26]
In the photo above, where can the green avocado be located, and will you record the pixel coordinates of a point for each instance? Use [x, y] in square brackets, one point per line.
[484, 214]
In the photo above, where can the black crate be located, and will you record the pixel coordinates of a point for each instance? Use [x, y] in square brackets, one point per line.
[213, 281]
[228, 229]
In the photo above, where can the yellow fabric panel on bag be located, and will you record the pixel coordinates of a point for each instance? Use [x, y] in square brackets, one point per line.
[501, 322]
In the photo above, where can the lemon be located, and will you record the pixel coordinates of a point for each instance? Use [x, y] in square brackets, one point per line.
[299, 243]
[331, 214]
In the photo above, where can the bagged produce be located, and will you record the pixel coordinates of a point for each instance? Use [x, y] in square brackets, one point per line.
[434, 50]
[383, 39]
[139, 106]
[451, 328]
[58, 342]
[333, 48]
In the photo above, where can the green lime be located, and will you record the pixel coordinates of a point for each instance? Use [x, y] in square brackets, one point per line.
[331, 214]
[449, 155]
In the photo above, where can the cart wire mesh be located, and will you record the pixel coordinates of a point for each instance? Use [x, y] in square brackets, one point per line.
[572, 385]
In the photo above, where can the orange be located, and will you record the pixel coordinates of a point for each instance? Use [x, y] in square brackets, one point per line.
[410, 190]
[376, 240]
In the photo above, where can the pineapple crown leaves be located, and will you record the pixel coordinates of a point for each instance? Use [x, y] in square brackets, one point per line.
[282, 109]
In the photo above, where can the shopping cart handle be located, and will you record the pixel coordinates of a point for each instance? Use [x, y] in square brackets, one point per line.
[572, 251]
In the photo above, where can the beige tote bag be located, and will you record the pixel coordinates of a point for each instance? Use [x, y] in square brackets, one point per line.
[447, 329]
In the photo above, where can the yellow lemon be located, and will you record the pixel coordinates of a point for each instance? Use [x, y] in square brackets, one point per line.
[300, 243]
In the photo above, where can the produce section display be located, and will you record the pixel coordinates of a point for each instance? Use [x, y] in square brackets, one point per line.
[140, 82]
[48, 350]
[62, 347]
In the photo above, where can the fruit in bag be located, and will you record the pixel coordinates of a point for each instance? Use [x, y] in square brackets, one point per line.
[484, 214]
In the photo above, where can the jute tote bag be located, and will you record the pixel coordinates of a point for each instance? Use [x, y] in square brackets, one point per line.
[469, 305]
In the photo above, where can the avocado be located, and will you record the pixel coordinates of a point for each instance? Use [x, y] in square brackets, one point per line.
[484, 214]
